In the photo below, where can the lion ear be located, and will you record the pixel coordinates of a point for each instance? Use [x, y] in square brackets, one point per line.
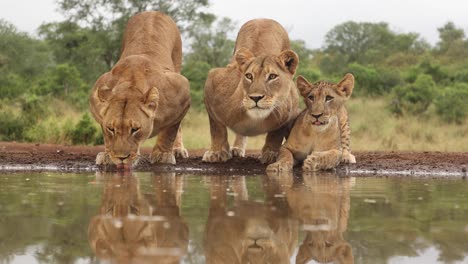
[346, 86]
[152, 98]
[290, 60]
[303, 86]
[243, 55]
[99, 101]
[104, 93]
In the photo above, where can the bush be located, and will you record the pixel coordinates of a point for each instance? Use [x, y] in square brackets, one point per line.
[11, 85]
[196, 72]
[310, 74]
[367, 79]
[84, 131]
[413, 98]
[11, 126]
[452, 104]
[64, 82]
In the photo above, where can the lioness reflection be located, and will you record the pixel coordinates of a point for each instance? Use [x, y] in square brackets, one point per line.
[321, 203]
[248, 231]
[132, 228]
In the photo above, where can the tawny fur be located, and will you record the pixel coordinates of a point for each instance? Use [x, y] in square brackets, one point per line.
[144, 91]
[321, 203]
[321, 134]
[125, 230]
[262, 66]
[248, 231]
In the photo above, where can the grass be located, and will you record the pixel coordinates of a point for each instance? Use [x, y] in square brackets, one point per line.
[373, 128]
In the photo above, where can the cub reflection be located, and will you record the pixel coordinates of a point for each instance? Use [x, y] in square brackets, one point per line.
[243, 231]
[133, 228]
[321, 204]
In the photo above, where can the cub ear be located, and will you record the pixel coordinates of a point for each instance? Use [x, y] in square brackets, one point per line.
[303, 86]
[346, 86]
[151, 100]
[243, 55]
[289, 60]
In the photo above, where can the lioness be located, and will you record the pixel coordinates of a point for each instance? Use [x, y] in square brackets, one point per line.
[144, 94]
[137, 228]
[249, 231]
[320, 135]
[254, 94]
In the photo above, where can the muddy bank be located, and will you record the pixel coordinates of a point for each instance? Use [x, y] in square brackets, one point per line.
[24, 156]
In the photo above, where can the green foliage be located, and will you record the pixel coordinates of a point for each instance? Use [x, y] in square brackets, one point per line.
[84, 131]
[92, 52]
[22, 54]
[451, 103]
[373, 82]
[64, 82]
[212, 45]
[414, 98]
[309, 73]
[11, 84]
[11, 126]
[369, 42]
[196, 72]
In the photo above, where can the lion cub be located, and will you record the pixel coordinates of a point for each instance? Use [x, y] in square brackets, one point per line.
[320, 135]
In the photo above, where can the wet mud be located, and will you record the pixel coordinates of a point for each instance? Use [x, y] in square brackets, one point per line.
[24, 156]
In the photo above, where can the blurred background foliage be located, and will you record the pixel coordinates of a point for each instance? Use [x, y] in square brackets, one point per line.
[45, 79]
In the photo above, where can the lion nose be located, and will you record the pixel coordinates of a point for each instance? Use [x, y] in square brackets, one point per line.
[122, 158]
[256, 98]
[317, 116]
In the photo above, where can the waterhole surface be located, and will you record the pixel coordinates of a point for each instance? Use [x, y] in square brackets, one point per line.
[172, 218]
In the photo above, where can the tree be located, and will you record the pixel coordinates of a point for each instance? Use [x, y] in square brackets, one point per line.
[414, 98]
[104, 13]
[210, 48]
[20, 53]
[212, 44]
[449, 35]
[91, 52]
[366, 43]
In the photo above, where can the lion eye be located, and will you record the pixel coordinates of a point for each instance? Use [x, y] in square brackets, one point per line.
[272, 76]
[249, 76]
[311, 97]
[328, 98]
[135, 130]
[111, 130]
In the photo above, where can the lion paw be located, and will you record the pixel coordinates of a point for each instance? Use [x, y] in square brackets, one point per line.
[278, 167]
[312, 163]
[217, 156]
[180, 153]
[163, 157]
[268, 157]
[238, 152]
[348, 157]
[103, 158]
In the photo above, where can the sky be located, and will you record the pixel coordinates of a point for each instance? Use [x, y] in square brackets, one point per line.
[308, 20]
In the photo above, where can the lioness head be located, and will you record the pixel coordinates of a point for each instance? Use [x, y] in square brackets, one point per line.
[267, 80]
[324, 99]
[125, 107]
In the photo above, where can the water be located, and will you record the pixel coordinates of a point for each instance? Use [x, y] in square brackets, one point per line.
[171, 218]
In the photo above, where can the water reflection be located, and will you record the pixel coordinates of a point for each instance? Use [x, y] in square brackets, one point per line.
[132, 228]
[44, 218]
[321, 203]
[248, 231]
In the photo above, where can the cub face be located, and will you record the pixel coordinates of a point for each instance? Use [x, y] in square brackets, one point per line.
[324, 99]
[267, 80]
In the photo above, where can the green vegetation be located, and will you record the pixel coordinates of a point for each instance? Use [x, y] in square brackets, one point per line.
[45, 81]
